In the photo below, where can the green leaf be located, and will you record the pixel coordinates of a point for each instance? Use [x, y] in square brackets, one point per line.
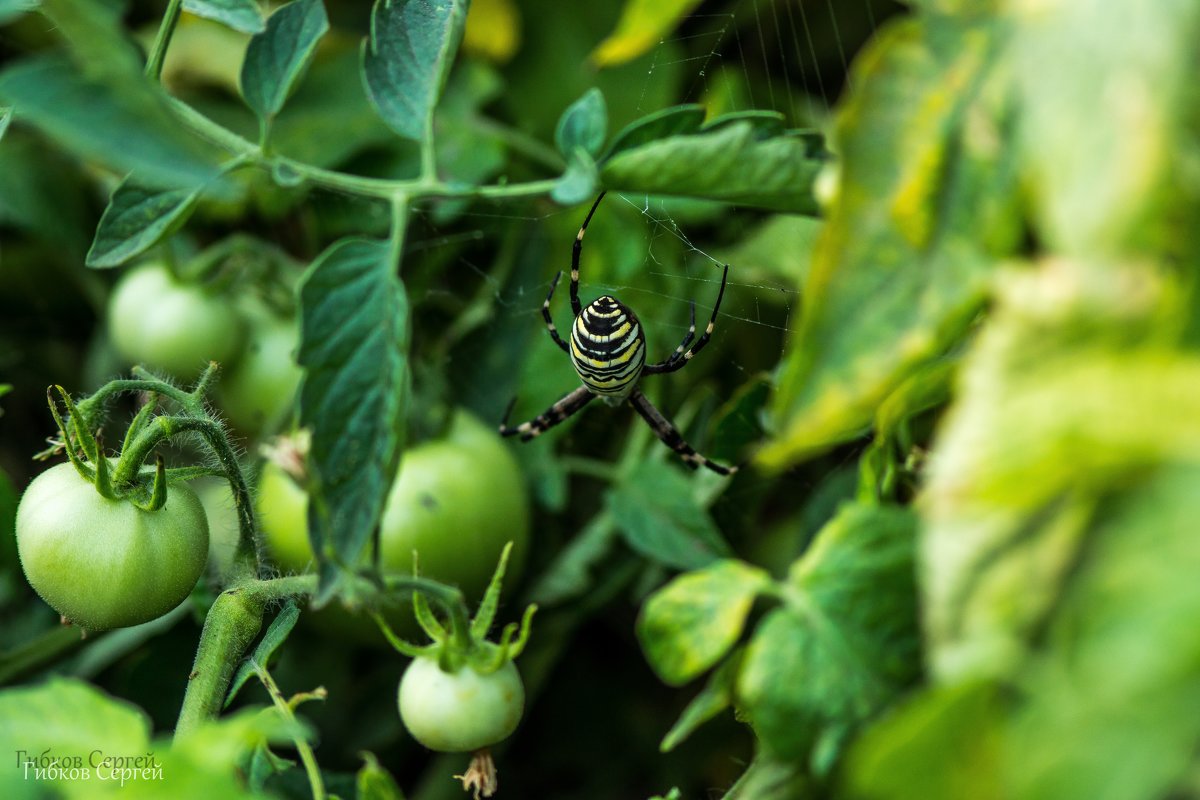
[278, 57]
[944, 744]
[912, 234]
[354, 348]
[767, 123]
[67, 718]
[1094, 190]
[715, 697]
[5, 118]
[578, 182]
[374, 782]
[276, 635]
[97, 39]
[126, 125]
[731, 164]
[689, 625]
[11, 9]
[845, 642]
[583, 125]
[136, 219]
[241, 15]
[576, 566]
[643, 24]
[673, 121]
[660, 518]
[407, 59]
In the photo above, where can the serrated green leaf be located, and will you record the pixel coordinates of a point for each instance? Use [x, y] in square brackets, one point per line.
[689, 625]
[125, 125]
[658, 515]
[136, 219]
[275, 636]
[278, 57]
[673, 121]
[578, 182]
[731, 164]
[374, 782]
[912, 234]
[407, 59]
[241, 15]
[845, 642]
[583, 125]
[715, 697]
[354, 348]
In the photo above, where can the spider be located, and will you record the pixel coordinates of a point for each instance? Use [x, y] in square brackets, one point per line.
[608, 350]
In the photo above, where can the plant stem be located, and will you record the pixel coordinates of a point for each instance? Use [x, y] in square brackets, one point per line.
[302, 747]
[231, 625]
[166, 29]
[379, 188]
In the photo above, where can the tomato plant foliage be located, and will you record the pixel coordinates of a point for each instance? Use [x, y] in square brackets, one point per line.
[957, 359]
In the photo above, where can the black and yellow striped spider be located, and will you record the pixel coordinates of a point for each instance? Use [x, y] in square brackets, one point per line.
[608, 350]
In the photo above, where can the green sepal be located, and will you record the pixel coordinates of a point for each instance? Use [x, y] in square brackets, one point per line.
[402, 646]
[158, 490]
[83, 469]
[140, 420]
[486, 614]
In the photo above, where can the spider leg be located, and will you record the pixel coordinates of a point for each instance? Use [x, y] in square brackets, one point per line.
[678, 352]
[678, 360]
[666, 432]
[576, 249]
[546, 315]
[565, 407]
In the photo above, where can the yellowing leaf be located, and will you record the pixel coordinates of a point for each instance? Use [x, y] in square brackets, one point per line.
[643, 23]
[493, 30]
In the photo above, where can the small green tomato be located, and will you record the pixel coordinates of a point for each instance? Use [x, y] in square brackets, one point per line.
[462, 711]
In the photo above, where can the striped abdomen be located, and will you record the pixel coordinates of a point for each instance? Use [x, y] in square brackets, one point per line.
[608, 348]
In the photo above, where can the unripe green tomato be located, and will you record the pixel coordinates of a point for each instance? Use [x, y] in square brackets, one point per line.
[157, 321]
[456, 501]
[258, 391]
[106, 563]
[463, 711]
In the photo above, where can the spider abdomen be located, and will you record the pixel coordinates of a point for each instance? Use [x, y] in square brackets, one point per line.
[608, 348]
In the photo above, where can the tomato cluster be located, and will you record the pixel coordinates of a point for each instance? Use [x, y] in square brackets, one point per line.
[175, 326]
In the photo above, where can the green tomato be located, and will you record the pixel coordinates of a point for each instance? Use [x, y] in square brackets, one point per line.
[463, 711]
[157, 321]
[106, 563]
[456, 501]
[223, 531]
[258, 391]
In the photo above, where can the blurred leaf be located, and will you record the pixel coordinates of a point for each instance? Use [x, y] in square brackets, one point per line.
[769, 779]
[98, 43]
[781, 247]
[583, 125]
[265, 765]
[329, 119]
[277, 57]
[374, 782]
[730, 164]
[1013, 484]
[766, 123]
[493, 29]
[848, 626]
[1104, 190]
[736, 423]
[136, 219]
[689, 625]
[1110, 700]
[276, 635]
[354, 348]
[643, 24]
[660, 518]
[944, 744]
[574, 568]
[241, 15]
[578, 183]
[911, 236]
[126, 126]
[5, 118]
[715, 697]
[673, 121]
[407, 59]
[11, 9]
